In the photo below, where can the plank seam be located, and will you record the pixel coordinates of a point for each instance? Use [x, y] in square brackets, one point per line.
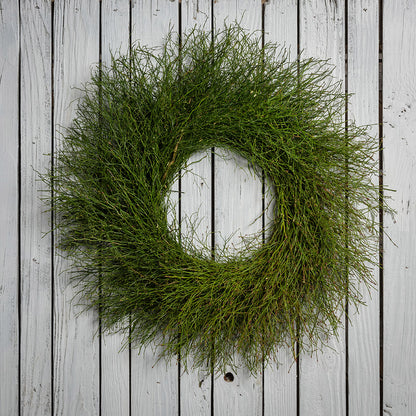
[180, 200]
[346, 219]
[263, 203]
[381, 213]
[213, 255]
[19, 214]
[212, 213]
[100, 337]
[298, 52]
[130, 347]
[52, 206]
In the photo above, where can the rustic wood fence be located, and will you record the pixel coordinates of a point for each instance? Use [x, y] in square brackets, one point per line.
[50, 361]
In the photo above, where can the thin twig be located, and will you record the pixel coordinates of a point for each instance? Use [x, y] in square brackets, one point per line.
[175, 151]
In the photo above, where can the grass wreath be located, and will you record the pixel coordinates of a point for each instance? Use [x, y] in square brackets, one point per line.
[140, 120]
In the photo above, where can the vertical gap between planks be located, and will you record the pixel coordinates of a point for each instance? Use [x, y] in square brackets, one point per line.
[346, 202]
[52, 79]
[212, 221]
[130, 23]
[130, 352]
[212, 364]
[19, 218]
[381, 196]
[298, 51]
[263, 196]
[100, 335]
[179, 196]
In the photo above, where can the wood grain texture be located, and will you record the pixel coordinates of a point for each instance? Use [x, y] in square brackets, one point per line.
[152, 20]
[280, 24]
[36, 260]
[115, 30]
[9, 207]
[238, 218]
[69, 337]
[245, 12]
[196, 184]
[363, 331]
[115, 361]
[399, 108]
[238, 204]
[242, 396]
[280, 390]
[76, 350]
[196, 13]
[154, 385]
[196, 215]
[322, 383]
[196, 388]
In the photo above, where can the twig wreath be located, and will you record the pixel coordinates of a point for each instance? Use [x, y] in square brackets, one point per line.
[140, 120]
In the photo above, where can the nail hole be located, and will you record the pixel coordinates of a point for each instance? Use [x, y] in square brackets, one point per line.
[229, 377]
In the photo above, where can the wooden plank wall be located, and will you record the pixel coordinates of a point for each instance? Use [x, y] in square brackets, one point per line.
[50, 361]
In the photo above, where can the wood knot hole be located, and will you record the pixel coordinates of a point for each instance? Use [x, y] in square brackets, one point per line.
[229, 377]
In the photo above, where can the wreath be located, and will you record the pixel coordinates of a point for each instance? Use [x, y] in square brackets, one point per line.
[139, 121]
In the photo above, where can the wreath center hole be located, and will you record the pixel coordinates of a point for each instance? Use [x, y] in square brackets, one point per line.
[224, 204]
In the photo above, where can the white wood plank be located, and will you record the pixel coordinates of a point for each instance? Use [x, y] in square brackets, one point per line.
[238, 202]
[196, 13]
[322, 378]
[9, 212]
[196, 392]
[115, 20]
[245, 12]
[152, 20]
[36, 264]
[196, 178]
[241, 396]
[280, 390]
[399, 103]
[238, 209]
[115, 361]
[76, 351]
[280, 26]
[196, 213]
[154, 385]
[363, 331]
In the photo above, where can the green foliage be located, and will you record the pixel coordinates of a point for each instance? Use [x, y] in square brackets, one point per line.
[140, 120]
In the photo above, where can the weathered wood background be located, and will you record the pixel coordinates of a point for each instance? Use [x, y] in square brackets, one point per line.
[50, 361]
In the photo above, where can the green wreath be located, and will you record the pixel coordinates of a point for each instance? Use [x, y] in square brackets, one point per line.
[141, 119]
